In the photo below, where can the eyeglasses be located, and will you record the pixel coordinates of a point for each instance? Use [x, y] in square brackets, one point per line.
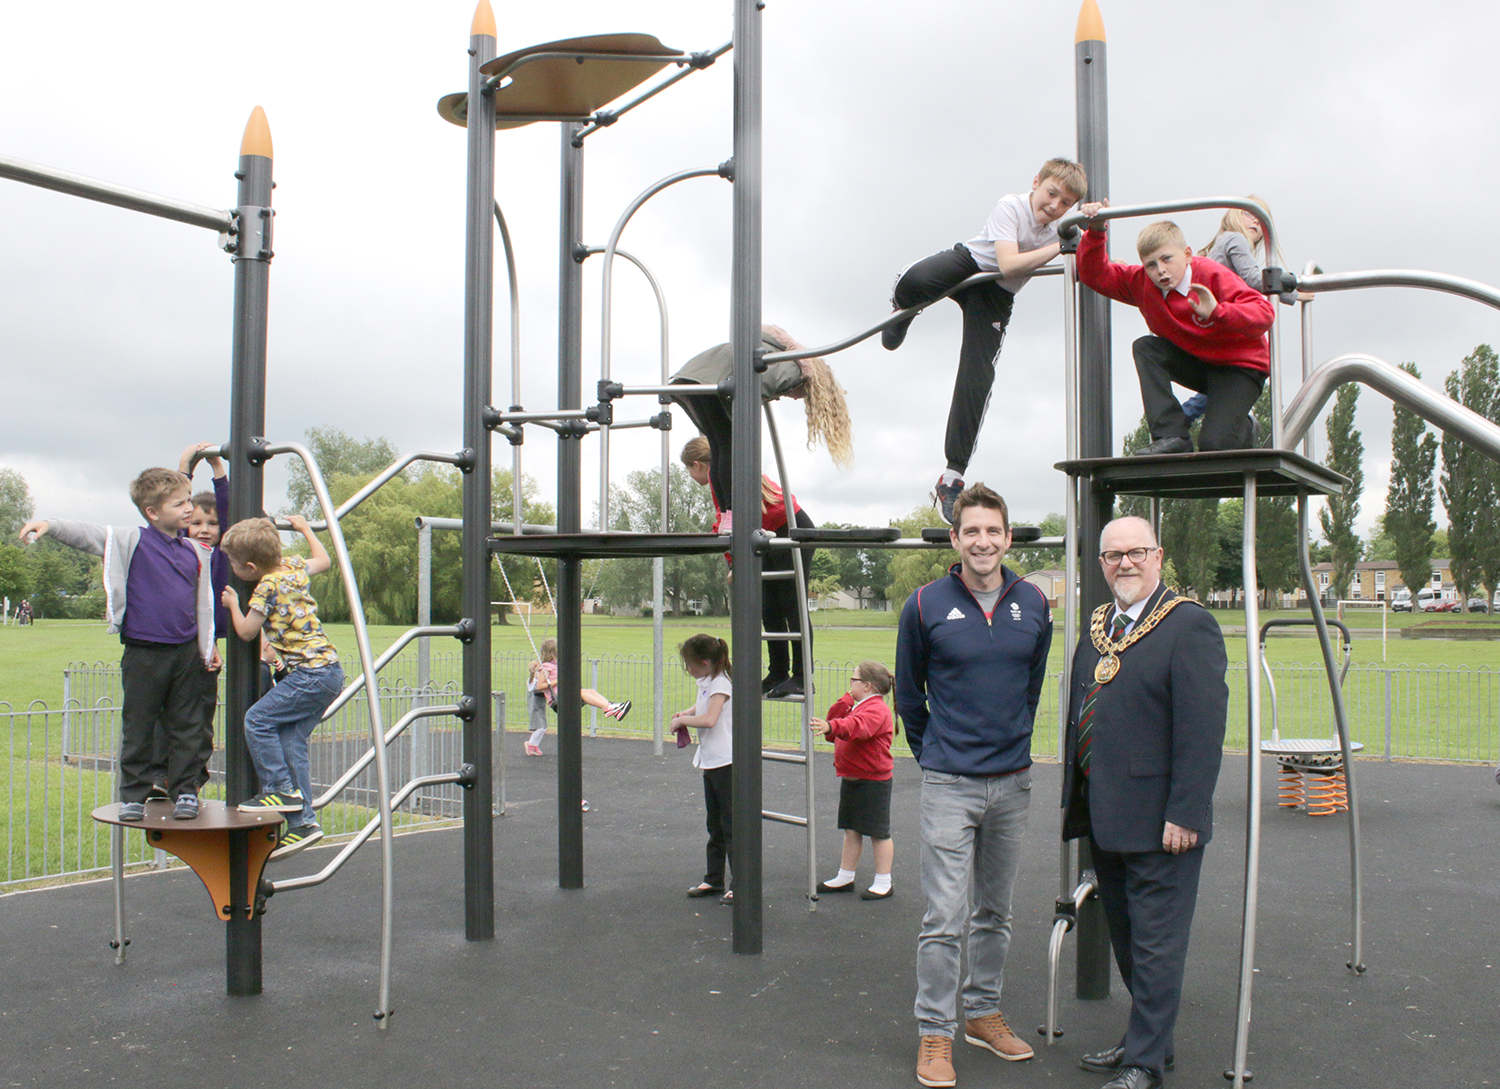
[1137, 555]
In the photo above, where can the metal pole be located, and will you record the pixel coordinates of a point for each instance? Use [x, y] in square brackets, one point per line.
[1094, 404]
[1070, 536]
[421, 735]
[76, 185]
[1310, 269]
[570, 519]
[247, 425]
[1252, 736]
[479, 260]
[745, 293]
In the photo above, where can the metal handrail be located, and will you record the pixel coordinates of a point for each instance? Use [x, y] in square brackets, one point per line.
[384, 477]
[1391, 381]
[396, 730]
[901, 315]
[385, 658]
[605, 118]
[1401, 277]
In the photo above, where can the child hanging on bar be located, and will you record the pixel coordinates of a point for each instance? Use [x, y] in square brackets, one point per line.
[279, 724]
[542, 685]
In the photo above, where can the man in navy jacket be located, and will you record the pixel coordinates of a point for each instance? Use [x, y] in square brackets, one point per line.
[1145, 739]
[971, 656]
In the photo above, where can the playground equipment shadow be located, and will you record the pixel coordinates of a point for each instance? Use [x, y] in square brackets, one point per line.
[628, 983]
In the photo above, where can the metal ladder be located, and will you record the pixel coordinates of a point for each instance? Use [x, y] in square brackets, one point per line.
[805, 755]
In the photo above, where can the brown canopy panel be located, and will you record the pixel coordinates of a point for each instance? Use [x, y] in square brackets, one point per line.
[567, 80]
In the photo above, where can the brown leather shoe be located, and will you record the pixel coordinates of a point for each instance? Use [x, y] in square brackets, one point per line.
[935, 1062]
[993, 1033]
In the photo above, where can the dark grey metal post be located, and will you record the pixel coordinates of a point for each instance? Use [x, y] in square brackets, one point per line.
[570, 518]
[247, 424]
[1095, 439]
[479, 259]
[745, 859]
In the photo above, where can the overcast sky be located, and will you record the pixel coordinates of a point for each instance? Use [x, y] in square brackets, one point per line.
[890, 131]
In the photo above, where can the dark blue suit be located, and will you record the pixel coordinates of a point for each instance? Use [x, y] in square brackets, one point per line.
[1156, 745]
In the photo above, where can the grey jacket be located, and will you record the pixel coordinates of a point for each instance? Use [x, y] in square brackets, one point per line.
[713, 366]
[117, 546]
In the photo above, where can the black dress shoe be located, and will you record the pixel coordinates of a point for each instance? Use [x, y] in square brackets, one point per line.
[792, 686]
[871, 894]
[1108, 1060]
[1172, 445]
[1134, 1077]
[825, 887]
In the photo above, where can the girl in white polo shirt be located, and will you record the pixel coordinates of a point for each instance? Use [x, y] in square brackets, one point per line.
[706, 658]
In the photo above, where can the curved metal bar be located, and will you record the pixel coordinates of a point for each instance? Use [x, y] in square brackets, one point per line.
[661, 310]
[384, 477]
[901, 315]
[1341, 720]
[136, 200]
[377, 728]
[380, 663]
[435, 711]
[1402, 277]
[1086, 885]
[1074, 220]
[365, 833]
[1312, 268]
[516, 497]
[1400, 387]
[606, 328]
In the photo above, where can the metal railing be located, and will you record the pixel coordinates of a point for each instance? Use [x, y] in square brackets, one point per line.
[60, 764]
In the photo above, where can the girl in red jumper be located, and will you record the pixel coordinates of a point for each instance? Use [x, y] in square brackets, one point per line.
[861, 727]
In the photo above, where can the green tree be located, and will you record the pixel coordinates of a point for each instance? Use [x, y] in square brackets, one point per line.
[15, 575]
[15, 505]
[1346, 454]
[1023, 560]
[915, 567]
[1468, 477]
[1189, 528]
[1276, 540]
[337, 455]
[1408, 523]
[626, 582]
[862, 572]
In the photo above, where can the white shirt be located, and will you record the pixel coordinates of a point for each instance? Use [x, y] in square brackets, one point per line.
[716, 742]
[1011, 221]
[1184, 285]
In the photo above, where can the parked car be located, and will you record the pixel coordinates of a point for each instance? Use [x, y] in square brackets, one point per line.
[1477, 605]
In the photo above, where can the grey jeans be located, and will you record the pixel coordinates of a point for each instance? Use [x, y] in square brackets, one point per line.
[971, 849]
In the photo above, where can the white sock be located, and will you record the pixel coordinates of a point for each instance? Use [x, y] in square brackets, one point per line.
[952, 476]
[845, 877]
[882, 883]
[536, 736]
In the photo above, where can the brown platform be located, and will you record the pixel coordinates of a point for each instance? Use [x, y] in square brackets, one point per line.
[1219, 474]
[204, 842]
[590, 73]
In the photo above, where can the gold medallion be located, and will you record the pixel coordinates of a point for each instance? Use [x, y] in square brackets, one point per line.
[1109, 649]
[1106, 668]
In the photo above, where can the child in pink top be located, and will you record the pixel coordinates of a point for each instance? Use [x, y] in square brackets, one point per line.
[861, 728]
[542, 687]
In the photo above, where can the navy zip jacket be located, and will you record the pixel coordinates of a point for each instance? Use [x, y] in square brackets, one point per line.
[966, 686]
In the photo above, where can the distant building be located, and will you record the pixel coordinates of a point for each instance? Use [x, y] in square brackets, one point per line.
[1377, 580]
[1052, 583]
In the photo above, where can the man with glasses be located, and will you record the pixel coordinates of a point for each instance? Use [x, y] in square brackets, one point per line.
[971, 656]
[1145, 736]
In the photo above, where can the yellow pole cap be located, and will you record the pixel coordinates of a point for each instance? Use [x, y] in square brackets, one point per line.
[257, 139]
[484, 20]
[1090, 23]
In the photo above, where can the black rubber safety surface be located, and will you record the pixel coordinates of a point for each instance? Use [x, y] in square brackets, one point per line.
[629, 983]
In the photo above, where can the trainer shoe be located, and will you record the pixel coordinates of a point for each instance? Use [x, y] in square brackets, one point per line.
[274, 801]
[618, 711]
[770, 681]
[295, 838]
[533, 750]
[792, 686]
[945, 495]
[892, 336]
[991, 1032]
[186, 808]
[158, 792]
[132, 811]
[935, 1062]
[1172, 444]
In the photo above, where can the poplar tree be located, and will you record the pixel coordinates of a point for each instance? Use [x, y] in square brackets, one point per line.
[1408, 522]
[1468, 481]
[1346, 454]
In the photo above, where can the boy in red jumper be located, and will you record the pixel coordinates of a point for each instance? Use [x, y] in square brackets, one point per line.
[861, 728]
[1209, 331]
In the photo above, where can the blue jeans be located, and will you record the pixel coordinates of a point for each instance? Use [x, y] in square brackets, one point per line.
[278, 725]
[971, 850]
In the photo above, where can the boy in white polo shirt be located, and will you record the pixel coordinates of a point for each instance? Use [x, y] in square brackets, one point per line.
[1017, 239]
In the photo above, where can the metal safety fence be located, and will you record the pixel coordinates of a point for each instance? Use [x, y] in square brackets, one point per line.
[59, 765]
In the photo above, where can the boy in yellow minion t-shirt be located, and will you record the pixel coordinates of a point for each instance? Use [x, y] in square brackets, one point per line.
[278, 726]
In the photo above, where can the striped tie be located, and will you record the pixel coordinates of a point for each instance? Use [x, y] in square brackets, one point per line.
[1086, 716]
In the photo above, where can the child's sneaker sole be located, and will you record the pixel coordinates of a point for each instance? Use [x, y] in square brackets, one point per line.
[294, 840]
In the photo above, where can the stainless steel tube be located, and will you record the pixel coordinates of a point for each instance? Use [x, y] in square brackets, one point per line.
[136, 200]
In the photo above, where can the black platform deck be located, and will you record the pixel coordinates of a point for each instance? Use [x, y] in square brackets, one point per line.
[628, 983]
[1219, 474]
